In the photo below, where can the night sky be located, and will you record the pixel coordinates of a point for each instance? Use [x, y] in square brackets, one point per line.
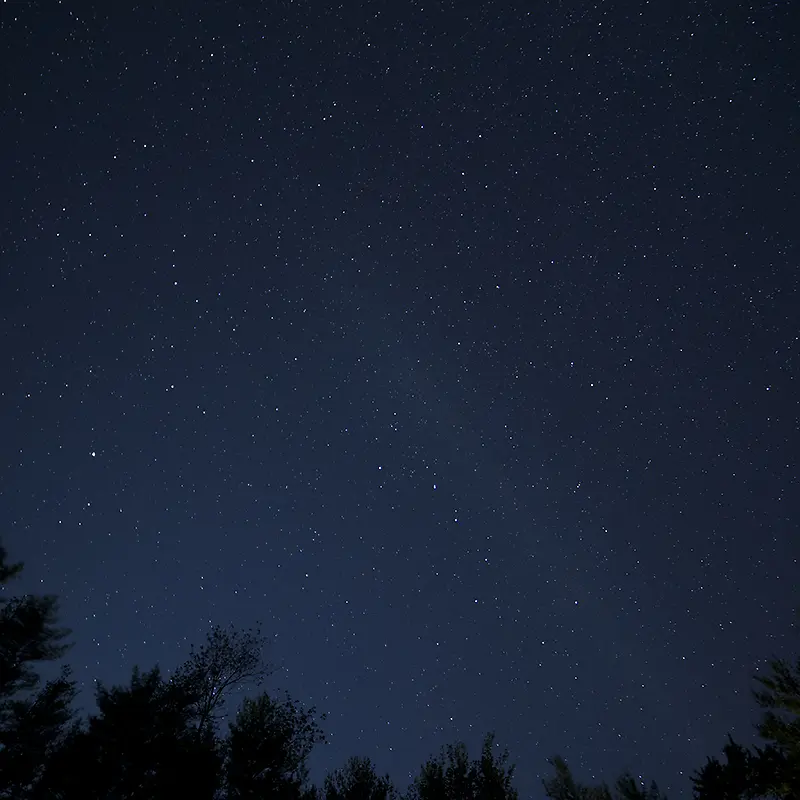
[457, 343]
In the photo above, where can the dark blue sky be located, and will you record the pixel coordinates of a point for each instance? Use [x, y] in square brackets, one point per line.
[457, 343]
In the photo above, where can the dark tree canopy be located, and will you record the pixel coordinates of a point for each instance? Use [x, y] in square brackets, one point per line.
[452, 776]
[142, 743]
[563, 786]
[774, 770]
[33, 718]
[268, 748]
[29, 634]
[160, 739]
[780, 696]
[357, 780]
[229, 659]
[155, 739]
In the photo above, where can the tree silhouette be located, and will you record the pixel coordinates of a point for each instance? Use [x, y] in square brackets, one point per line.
[32, 730]
[562, 786]
[628, 789]
[267, 749]
[141, 744]
[772, 771]
[229, 659]
[780, 697]
[452, 776]
[492, 773]
[158, 739]
[33, 718]
[744, 774]
[357, 780]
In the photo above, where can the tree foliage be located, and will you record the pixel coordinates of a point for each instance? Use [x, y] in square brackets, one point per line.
[268, 748]
[563, 786]
[452, 776]
[357, 780]
[159, 738]
[774, 770]
[33, 717]
[229, 659]
[141, 744]
[780, 696]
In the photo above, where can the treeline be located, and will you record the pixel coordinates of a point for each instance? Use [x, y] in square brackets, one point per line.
[160, 738]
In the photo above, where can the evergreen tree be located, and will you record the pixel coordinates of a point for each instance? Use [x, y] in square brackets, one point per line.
[774, 770]
[563, 786]
[627, 788]
[452, 776]
[33, 729]
[158, 738]
[780, 724]
[33, 718]
[492, 774]
[141, 745]
[267, 750]
[357, 780]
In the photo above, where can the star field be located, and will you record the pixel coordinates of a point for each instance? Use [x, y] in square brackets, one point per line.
[456, 343]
